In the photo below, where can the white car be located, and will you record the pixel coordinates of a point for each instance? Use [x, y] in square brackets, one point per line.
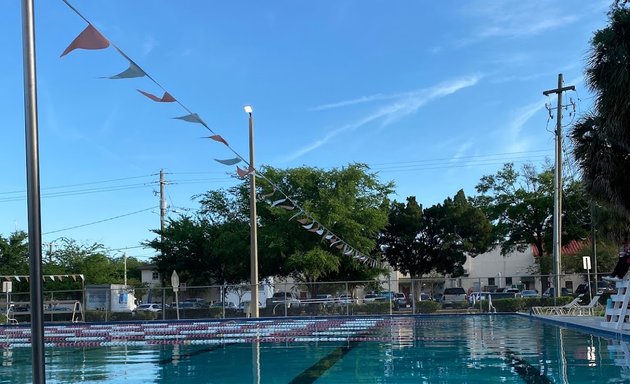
[148, 308]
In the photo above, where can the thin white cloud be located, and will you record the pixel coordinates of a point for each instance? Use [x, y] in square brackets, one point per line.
[406, 104]
[149, 44]
[513, 19]
[461, 151]
[516, 142]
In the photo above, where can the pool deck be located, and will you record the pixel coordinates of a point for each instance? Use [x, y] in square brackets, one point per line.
[590, 324]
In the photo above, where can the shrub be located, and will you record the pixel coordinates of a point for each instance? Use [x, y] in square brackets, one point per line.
[460, 305]
[427, 306]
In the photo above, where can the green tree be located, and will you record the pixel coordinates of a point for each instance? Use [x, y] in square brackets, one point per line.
[520, 207]
[203, 252]
[602, 138]
[436, 239]
[310, 266]
[350, 202]
[14, 254]
[68, 256]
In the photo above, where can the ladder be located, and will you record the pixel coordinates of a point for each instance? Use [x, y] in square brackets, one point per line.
[617, 314]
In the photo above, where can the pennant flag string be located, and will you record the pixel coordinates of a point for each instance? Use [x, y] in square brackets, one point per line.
[91, 38]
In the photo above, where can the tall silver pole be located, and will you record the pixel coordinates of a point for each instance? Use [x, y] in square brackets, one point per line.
[33, 197]
[252, 222]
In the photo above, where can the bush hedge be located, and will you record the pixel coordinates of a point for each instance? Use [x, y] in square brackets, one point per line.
[427, 306]
[521, 304]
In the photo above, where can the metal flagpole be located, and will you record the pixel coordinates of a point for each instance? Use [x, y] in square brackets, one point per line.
[33, 196]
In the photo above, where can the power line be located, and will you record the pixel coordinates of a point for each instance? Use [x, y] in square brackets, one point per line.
[98, 222]
[81, 184]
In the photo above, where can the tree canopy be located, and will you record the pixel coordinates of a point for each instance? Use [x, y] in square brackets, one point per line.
[436, 239]
[602, 137]
[213, 246]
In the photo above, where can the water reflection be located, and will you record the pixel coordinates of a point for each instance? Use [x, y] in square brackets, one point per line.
[424, 349]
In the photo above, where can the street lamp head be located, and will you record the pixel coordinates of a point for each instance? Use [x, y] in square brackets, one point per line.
[248, 109]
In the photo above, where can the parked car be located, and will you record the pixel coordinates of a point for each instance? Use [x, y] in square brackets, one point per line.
[148, 308]
[400, 300]
[387, 295]
[370, 297]
[345, 299]
[287, 298]
[424, 297]
[605, 287]
[563, 292]
[530, 293]
[451, 296]
[194, 303]
[515, 291]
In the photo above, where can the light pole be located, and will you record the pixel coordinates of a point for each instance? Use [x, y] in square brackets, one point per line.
[253, 303]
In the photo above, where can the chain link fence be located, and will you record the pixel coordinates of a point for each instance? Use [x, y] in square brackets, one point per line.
[280, 299]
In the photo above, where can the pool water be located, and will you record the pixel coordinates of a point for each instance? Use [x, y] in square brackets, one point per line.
[429, 349]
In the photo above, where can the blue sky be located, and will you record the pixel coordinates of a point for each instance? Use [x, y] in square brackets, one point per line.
[432, 95]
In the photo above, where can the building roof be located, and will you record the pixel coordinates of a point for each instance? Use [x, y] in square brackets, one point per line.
[572, 248]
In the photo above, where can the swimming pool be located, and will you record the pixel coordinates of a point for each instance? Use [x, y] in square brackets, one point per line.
[424, 349]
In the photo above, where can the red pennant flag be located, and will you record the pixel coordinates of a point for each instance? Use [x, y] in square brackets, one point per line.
[242, 172]
[166, 98]
[90, 38]
[218, 138]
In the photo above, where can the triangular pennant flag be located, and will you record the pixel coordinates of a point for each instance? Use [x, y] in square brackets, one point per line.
[166, 98]
[303, 221]
[129, 73]
[329, 236]
[337, 241]
[74, 277]
[82, 277]
[287, 207]
[60, 278]
[268, 194]
[90, 38]
[192, 118]
[320, 231]
[309, 226]
[52, 277]
[278, 202]
[233, 161]
[315, 229]
[27, 278]
[17, 278]
[348, 251]
[241, 172]
[218, 138]
[340, 246]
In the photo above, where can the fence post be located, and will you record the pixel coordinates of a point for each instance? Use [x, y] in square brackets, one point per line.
[285, 299]
[413, 296]
[348, 299]
[389, 293]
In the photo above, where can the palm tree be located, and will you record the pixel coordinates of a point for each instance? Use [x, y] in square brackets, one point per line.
[602, 138]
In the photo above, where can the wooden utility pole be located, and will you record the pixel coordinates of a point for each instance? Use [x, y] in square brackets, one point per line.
[557, 194]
